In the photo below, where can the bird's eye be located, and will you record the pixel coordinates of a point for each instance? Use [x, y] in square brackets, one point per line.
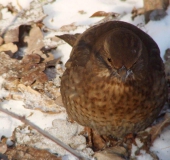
[109, 59]
[135, 63]
[134, 51]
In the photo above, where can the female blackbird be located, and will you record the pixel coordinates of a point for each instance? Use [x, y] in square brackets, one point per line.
[114, 81]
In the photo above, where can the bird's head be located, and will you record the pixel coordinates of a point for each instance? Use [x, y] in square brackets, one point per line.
[123, 54]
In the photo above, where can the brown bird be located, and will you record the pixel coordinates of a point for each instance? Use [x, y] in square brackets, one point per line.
[114, 81]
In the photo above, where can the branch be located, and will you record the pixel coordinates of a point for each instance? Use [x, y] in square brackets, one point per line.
[45, 134]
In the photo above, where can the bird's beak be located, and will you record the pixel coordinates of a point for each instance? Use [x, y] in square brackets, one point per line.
[122, 73]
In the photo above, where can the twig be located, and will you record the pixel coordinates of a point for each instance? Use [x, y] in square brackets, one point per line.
[45, 134]
[165, 147]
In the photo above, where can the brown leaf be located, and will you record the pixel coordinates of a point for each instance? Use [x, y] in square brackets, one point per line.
[156, 130]
[28, 71]
[11, 35]
[82, 12]
[6, 63]
[113, 153]
[102, 14]
[110, 17]
[94, 140]
[67, 28]
[155, 9]
[8, 47]
[3, 145]
[34, 40]
[136, 12]
[35, 100]
[21, 152]
[98, 141]
[59, 101]
[3, 148]
[33, 58]
[52, 63]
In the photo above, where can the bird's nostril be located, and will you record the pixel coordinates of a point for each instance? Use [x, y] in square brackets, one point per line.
[122, 71]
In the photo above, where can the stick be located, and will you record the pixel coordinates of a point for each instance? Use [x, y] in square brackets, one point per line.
[45, 134]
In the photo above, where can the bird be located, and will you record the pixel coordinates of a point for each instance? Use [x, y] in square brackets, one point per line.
[114, 80]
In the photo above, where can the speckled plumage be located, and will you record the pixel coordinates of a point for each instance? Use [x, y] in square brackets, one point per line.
[114, 81]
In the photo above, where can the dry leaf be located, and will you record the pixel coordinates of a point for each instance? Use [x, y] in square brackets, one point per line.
[33, 70]
[68, 28]
[103, 14]
[98, 141]
[113, 153]
[3, 148]
[35, 100]
[156, 4]
[82, 12]
[110, 17]
[59, 101]
[137, 12]
[34, 40]
[11, 35]
[155, 9]
[8, 47]
[21, 152]
[36, 44]
[156, 130]
[6, 63]
[27, 71]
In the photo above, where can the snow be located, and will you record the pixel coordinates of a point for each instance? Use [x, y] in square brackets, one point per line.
[144, 156]
[161, 145]
[65, 12]
[63, 50]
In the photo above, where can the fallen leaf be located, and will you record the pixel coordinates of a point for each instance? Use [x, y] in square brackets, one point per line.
[113, 153]
[11, 35]
[21, 152]
[26, 71]
[82, 12]
[8, 47]
[103, 14]
[59, 101]
[35, 100]
[136, 12]
[156, 130]
[34, 40]
[3, 148]
[68, 28]
[97, 141]
[110, 17]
